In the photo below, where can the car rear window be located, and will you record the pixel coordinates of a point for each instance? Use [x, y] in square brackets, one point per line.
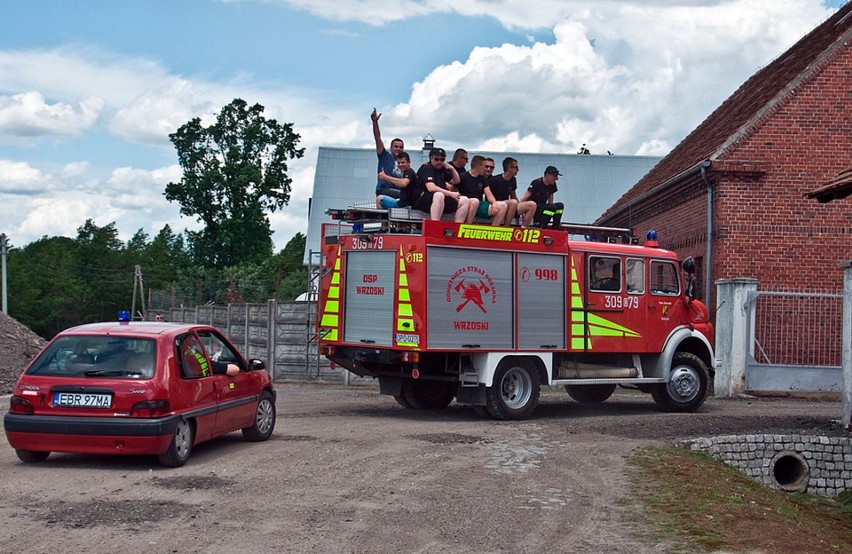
[97, 356]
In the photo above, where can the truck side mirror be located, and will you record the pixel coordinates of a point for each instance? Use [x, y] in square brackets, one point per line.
[688, 266]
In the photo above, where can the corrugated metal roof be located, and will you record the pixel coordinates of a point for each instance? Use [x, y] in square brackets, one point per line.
[588, 186]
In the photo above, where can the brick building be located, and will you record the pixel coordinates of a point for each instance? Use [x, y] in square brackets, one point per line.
[732, 194]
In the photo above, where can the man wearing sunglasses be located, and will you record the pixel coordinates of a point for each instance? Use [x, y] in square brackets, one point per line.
[503, 187]
[473, 185]
[440, 177]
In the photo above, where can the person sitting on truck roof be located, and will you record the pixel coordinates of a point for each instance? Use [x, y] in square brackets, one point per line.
[503, 187]
[459, 160]
[440, 177]
[386, 193]
[548, 213]
[414, 193]
[473, 185]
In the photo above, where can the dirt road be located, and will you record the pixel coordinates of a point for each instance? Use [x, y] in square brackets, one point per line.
[347, 470]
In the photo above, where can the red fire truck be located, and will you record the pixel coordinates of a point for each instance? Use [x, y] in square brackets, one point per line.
[487, 315]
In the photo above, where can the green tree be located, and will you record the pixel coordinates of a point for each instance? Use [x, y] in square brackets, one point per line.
[106, 271]
[234, 171]
[46, 292]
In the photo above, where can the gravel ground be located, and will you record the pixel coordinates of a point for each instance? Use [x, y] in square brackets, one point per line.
[18, 345]
[348, 470]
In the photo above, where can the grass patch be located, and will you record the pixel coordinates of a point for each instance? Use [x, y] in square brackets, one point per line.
[699, 504]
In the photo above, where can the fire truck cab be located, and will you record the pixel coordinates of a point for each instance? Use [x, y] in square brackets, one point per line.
[487, 315]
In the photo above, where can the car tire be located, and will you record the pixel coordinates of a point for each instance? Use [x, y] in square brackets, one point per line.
[515, 391]
[31, 456]
[687, 387]
[264, 419]
[590, 394]
[180, 447]
[403, 401]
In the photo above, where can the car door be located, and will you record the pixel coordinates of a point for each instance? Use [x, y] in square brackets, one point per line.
[236, 395]
[193, 391]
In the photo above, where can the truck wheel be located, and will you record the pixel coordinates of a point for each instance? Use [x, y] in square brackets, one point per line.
[590, 394]
[403, 401]
[427, 395]
[687, 386]
[514, 394]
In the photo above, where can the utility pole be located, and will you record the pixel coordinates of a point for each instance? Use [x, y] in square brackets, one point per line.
[4, 247]
[137, 285]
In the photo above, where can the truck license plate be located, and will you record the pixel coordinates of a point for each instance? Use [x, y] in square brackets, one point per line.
[82, 400]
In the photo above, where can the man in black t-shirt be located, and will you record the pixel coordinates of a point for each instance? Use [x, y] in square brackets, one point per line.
[474, 185]
[413, 193]
[441, 178]
[503, 188]
[541, 192]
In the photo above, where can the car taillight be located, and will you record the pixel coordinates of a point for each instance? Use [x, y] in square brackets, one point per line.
[150, 408]
[18, 405]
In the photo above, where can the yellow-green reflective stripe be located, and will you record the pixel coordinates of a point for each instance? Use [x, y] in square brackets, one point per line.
[403, 280]
[329, 320]
[404, 296]
[334, 292]
[405, 310]
[405, 325]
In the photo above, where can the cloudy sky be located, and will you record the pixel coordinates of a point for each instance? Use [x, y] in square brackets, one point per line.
[91, 89]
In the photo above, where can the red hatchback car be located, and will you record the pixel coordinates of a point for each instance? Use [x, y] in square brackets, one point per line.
[137, 388]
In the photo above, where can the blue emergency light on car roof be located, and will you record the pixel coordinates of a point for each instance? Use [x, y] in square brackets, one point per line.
[124, 316]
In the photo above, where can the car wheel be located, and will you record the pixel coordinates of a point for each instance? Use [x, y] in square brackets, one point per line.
[687, 387]
[427, 395]
[180, 447]
[590, 394]
[31, 456]
[264, 419]
[515, 391]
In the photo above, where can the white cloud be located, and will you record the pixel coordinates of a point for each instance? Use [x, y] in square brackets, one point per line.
[28, 116]
[19, 178]
[624, 77]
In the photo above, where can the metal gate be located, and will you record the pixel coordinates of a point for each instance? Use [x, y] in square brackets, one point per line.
[795, 342]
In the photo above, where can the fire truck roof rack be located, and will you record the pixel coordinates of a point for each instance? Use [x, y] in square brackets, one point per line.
[366, 218]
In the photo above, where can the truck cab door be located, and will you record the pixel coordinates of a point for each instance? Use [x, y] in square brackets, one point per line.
[664, 301]
[614, 317]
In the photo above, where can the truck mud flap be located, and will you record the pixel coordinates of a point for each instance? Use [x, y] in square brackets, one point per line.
[471, 395]
[390, 385]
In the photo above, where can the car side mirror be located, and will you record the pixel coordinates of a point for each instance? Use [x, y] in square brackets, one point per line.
[688, 265]
[256, 365]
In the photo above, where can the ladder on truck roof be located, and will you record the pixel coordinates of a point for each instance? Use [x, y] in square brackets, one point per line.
[364, 217]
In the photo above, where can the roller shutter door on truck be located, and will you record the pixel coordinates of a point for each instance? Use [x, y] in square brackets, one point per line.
[368, 310]
[470, 299]
[541, 302]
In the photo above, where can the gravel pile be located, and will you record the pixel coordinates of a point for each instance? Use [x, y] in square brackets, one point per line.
[18, 345]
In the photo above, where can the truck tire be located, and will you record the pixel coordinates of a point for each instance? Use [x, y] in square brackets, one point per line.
[687, 386]
[403, 401]
[427, 395]
[590, 394]
[515, 391]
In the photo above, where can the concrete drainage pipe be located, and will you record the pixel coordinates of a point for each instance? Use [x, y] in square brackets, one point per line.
[790, 471]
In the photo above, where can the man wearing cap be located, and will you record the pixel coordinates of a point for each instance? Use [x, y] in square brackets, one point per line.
[440, 177]
[548, 213]
[386, 193]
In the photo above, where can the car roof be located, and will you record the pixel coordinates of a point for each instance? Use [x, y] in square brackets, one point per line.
[151, 329]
